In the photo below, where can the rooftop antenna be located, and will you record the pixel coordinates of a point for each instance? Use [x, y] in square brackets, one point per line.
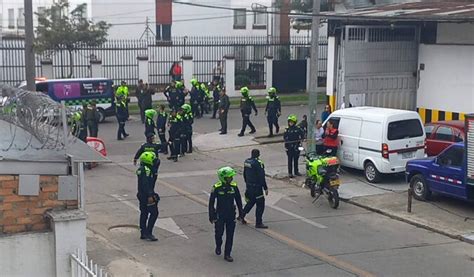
[147, 31]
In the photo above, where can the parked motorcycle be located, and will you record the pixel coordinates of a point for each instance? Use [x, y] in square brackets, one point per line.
[322, 176]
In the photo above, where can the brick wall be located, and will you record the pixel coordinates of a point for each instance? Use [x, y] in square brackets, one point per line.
[26, 213]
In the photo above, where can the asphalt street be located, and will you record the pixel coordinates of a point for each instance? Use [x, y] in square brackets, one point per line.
[304, 238]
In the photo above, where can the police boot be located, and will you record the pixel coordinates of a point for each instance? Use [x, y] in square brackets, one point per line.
[229, 258]
[261, 226]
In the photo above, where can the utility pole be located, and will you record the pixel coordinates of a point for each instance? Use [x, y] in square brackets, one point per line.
[313, 81]
[29, 52]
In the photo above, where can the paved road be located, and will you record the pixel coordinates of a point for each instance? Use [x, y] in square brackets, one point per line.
[304, 239]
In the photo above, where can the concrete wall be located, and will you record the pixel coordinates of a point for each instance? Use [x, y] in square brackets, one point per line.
[447, 82]
[452, 33]
[30, 254]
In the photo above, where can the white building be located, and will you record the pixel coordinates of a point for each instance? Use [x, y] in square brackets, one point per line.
[12, 19]
[128, 19]
[407, 56]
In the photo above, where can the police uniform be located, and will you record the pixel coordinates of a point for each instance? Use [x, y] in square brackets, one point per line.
[273, 110]
[215, 100]
[149, 126]
[293, 136]
[246, 106]
[148, 209]
[194, 99]
[174, 136]
[161, 128]
[79, 128]
[187, 138]
[121, 113]
[150, 147]
[173, 96]
[224, 212]
[254, 176]
[122, 91]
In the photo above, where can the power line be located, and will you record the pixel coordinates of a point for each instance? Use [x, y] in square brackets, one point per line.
[181, 20]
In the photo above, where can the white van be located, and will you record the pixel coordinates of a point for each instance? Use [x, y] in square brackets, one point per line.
[378, 140]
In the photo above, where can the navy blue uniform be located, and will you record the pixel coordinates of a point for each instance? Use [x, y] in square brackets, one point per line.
[246, 106]
[149, 126]
[122, 116]
[175, 136]
[293, 136]
[224, 212]
[150, 147]
[215, 100]
[195, 95]
[161, 127]
[148, 200]
[187, 133]
[254, 176]
[273, 110]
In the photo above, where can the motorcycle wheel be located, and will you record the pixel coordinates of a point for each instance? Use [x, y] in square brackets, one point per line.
[312, 187]
[333, 198]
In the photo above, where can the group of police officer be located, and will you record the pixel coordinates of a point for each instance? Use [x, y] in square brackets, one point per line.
[84, 120]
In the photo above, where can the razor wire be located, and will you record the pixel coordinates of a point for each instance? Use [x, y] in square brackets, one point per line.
[37, 114]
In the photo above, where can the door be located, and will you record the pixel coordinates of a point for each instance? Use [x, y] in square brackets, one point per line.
[429, 131]
[443, 137]
[349, 135]
[379, 66]
[289, 75]
[447, 175]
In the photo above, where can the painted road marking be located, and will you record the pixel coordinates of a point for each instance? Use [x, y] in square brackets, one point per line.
[334, 261]
[273, 197]
[167, 224]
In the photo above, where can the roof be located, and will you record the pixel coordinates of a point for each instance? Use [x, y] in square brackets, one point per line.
[372, 112]
[452, 123]
[16, 144]
[418, 11]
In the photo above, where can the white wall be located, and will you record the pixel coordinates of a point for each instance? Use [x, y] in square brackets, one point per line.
[453, 33]
[187, 20]
[29, 254]
[17, 4]
[447, 83]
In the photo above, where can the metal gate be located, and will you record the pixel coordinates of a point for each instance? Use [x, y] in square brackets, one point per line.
[377, 66]
[290, 75]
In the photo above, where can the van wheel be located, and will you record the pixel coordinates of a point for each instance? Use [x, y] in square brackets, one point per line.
[421, 191]
[101, 115]
[371, 173]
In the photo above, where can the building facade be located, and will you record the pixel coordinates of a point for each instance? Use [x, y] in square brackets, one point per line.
[12, 18]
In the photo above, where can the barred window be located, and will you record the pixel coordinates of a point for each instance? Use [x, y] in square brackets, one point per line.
[240, 19]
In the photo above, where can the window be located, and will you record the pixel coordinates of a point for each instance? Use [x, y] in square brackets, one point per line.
[240, 19]
[453, 156]
[444, 133]
[21, 18]
[260, 18]
[11, 19]
[429, 130]
[404, 129]
[458, 137]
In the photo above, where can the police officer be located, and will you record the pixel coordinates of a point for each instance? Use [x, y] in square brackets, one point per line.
[293, 136]
[150, 126]
[122, 91]
[187, 137]
[78, 126]
[205, 96]
[175, 95]
[150, 146]
[161, 127]
[92, 119]
[195, 95]
[147, 197]
[174, 135]
[216, 91]
[254, 176]
[246, 106]
[273, 111]
[121, 113]
[181, 97]
[224, 106]
[222, 215]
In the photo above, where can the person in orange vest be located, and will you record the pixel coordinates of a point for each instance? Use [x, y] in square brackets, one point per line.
[330, 138]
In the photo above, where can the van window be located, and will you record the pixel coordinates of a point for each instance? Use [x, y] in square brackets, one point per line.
[371, 131]
[410, 128]
[42, 87]
[334, 121]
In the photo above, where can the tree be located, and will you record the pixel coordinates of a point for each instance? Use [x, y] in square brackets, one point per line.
[59, 30]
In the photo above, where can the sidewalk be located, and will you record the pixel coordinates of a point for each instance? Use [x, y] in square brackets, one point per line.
[450, 217]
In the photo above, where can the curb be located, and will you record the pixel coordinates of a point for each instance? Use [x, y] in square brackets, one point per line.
[465, 238]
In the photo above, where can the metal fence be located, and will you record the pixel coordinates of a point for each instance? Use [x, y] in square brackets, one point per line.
[119, 57]
[82, 266]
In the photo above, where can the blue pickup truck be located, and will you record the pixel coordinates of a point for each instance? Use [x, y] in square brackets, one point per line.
[445, 174]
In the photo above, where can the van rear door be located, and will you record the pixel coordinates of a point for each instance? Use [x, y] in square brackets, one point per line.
[405, 141]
